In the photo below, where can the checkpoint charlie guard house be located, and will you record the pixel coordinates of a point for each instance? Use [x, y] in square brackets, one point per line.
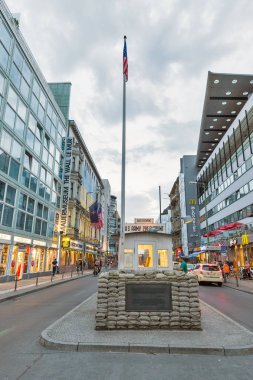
[147, 246]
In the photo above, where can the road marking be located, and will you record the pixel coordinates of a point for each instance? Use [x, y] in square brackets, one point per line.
[6, 331]
[226, 317]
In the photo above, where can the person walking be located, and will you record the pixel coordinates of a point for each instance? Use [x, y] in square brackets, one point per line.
[54, 263]
[183, 266]
[226, 270]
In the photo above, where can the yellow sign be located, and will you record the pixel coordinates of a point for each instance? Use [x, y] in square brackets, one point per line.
[65, 242]
[192, 202]
[245, 239]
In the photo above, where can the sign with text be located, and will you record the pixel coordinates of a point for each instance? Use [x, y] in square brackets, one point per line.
[144, 220]
[136, 227]
[67, 148]
[148, 297]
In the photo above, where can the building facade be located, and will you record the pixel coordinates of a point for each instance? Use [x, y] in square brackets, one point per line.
[32, 127]
[225, 168]
[80, 239]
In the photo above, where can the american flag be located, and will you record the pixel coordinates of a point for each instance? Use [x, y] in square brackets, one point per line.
[125, 63]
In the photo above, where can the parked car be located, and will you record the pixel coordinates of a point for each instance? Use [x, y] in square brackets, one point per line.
[190, 267]
[210, 273]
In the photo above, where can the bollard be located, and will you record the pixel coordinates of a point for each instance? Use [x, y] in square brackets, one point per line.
[16, 283]
[37, 279]
[62, 274]
[71, 273]
[51, 278]
[236, 279]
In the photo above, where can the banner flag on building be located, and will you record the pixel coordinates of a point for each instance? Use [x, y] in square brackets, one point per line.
[96, 219]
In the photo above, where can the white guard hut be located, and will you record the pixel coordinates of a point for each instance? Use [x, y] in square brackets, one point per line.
[147, 246]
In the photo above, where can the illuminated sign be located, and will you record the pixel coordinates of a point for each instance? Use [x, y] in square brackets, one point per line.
[20, 239]
[245, 239]
[192, 202]
[38, 242]
[5, 237]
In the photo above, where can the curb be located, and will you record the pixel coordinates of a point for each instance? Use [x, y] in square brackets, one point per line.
[40, 287]
[238, 288]
[145, 349]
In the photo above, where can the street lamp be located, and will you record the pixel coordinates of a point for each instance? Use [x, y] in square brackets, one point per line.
[205, 205]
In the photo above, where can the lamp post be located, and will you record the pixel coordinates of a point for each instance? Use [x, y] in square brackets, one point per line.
[206, 214]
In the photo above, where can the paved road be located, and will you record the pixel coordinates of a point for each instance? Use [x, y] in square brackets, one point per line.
[22, 357]
[23, 319]
[237, 305]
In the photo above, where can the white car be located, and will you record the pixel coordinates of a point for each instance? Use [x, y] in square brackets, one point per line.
[208, 273]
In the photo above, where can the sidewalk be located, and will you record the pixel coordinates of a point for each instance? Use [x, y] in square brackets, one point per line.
[243, 285]
[219, 336]
[7, 289]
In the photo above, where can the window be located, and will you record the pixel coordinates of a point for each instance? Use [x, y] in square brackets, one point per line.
[145, 255]
[10, 195]
[163, 258]
[25, 213]
[5, 45]
[15, 113]
[7, 216]
[42, 213]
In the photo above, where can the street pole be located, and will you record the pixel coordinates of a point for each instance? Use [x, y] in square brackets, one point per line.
[206, 218]
[160, 205]
[123, 164]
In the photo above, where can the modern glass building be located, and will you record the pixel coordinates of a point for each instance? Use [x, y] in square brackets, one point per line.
[32, 127]
[225, 168]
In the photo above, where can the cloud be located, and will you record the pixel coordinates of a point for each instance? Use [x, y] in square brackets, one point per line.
[171, 46]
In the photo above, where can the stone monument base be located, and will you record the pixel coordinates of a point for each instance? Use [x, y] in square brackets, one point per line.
[148, 300]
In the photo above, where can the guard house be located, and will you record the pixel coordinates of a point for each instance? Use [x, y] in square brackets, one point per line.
[147, 246]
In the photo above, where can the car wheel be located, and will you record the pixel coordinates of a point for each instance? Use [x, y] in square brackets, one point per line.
[219, 284]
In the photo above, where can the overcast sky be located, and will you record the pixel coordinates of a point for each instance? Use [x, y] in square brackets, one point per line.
[172, 44]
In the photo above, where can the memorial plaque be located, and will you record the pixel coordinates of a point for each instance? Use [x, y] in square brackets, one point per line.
[148, 297]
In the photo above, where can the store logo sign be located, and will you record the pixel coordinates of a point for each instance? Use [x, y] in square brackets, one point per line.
[245, 239]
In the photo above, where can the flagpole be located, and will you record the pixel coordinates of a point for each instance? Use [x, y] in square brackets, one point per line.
[123, 165]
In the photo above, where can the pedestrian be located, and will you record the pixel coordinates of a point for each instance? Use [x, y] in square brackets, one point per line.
[183, 266]
[226, 270]
[54, 263]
